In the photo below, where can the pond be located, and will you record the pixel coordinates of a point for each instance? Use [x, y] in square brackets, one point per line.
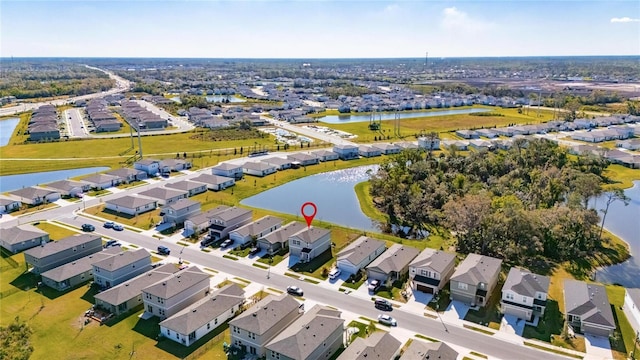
[343, 119]
[14, 182]
[332, 192]
[220, 98]
[6, 130]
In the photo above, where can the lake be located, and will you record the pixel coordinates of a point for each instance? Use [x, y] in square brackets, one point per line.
[14, 182]
[6, 130]
[342, 119]
[220, 98]
[332, 192]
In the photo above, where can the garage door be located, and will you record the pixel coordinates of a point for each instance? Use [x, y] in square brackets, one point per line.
[424, 289]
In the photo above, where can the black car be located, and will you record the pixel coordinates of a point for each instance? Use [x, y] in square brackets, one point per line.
[383, 304]
[163, 250]
[88, 227]
[254, 250]
[207, 241]
[294, 290]
[111, 243]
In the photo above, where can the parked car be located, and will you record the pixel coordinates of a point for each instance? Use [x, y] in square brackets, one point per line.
[108, 224]
[110, 243]
[163, 250]
[387, 320]
[294, 290]
[88, 227]
[206, 241]
[118, 227]
[383, 304]
[334, 274]
[226, 243]
[254, 250]
[374, 285]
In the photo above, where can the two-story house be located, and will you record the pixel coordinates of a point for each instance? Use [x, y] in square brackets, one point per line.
[168, 296]
[121, 267]
[224, 222]
[255, 230]
[179, 211]
[76, 272]
[316, 335]
[22, 237]
[392, 265]
[192, 323]
[55, 253]
[279, 239]
[228, 170]
[308, 243]
[524, 294]
[587, 308]
[631, 307]
[252, 330]
[360, 253]
[429, 143]
[474, 279]
[430, 270]
[149, 166]
[380, 346]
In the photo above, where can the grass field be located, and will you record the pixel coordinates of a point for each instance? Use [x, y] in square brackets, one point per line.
[55, 232]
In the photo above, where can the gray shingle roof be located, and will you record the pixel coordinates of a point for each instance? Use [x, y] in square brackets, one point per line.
[266, 313]
[163, 193]
[524, 282]
[232, 213]
[434, 259]
[227, 166]
[282, 235]
[32, 192]
[100, 178]
[123, 259]
[205, 310]
[212, 179]
[420, 350]
[131, 201]
[259, 226]
[20, 233]
[79, 266]
[378, 346]
[69, 242]
[634, 294]
[360, 249]
[306, 333]
[186, 185]
[133, 287]
[589, 301]
[312, 234]
[181, 204]
[394, 259]
[177, 283]
[65, 185]
[476, 269]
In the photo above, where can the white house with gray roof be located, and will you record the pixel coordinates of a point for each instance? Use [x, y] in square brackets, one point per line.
[215, 182]
[165, 196]
[127, 175]
[587, 308]
[192, 323]
[380, 345]
[279, 163]
[76, 272]
[179, 211]
[191, 187]
[128, 295]
[420, 350]
[102, 181]
[392, 265]
[386, 148]
[279, 239]
[258, 168]
[254, 328]
[8, 205]
[228, 170]
[430, 270]
[524, 294]
[200, 222]
[474, 279]
[131, 204]
[168, 296]
[117, 269]
[34, 195]
[360, 253]
[22, 237]
[224, 222]
[308, 243]
[304, 159]
[316, 335]
[346, 151]
[632, 307]
[257, 229]
[149, 166]
[68, 187]
[55, 253]
[325, 155]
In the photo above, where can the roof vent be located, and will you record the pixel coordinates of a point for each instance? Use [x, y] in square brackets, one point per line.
[255, 314]
[164, 284]
[194, 310]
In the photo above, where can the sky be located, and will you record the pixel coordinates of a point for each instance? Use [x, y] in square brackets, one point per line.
[318, 28]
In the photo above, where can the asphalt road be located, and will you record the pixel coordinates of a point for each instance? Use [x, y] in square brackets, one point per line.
[76, 126]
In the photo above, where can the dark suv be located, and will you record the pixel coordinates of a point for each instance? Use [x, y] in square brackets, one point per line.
[383, 304]
[163, 250]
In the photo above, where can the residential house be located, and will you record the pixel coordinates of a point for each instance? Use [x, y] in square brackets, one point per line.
[102, 181]
[308, 243]
[474, 279]
[22, 237]
[392, 265]
[204, 316]
[411, 145]
[420, 350]
[368, 151]
[68, 188]
[524, 294]
[478, 144]
[165, 196]
[633, 144]
[117, 269]
[380, 345]
[278, 240]
[131, 204]
[587, 308]
[255, 230]
[360, 253]
[316, 335]
[149, 166]
[458, 145]
[128, 295]
[304, 159]
[228, 170]
[55, 253]
[198, 223]
[258, 168]
[386, 148]
[168, 296]
[179, 211]
[215, 182]
[191, 187]
[631, 307]
[34, 195]
[488, 133]
[428, 143]
[128, 175]
[252, 330]
[174, 165]
[8, 205]
[43, 132]
[76, 272]
[346, 151]
[325, 155]
[467, 134]
[222, 223]
[279, 163]
[431, 269]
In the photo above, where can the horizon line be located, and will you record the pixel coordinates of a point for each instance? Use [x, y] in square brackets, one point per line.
[435, 58]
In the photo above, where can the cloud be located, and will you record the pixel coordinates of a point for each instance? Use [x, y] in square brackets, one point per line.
[391, 8]
[624, 20]
[456, 20]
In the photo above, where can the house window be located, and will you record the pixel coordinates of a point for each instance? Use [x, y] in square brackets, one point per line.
[509, 296]
[192, 336]
[462, 286]
[168, 332]
[524, 299]
[539, 296]
[208, 326]
[215, 321]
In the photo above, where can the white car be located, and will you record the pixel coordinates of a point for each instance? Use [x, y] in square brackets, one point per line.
[387, 320]
[334, 274]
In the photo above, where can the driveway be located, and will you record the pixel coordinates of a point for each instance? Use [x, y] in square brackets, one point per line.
[598, 347]
[417, 302]
[512, 325]
[456, 311]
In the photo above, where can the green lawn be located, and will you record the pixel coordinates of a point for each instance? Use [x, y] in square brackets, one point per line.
[314, 267]
[143, 221]
[393, 293]
[623, 340]
[55, 232]
[489, 315]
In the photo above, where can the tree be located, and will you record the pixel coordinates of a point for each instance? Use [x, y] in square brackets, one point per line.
[466, 216]
[572, 106]
[612, 196]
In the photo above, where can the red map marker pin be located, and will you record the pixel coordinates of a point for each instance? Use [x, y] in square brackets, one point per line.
[309, 218]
